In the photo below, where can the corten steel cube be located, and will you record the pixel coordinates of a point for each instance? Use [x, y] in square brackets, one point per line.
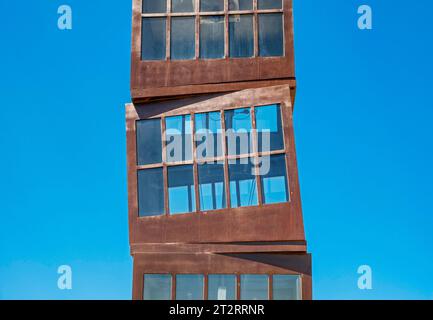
[260, 239]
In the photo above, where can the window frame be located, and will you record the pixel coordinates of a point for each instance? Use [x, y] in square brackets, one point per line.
[226, 13]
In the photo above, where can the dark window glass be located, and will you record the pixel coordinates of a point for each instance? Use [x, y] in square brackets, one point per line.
[150, 192]
[243, 184]
[157, 287]
[238, 131]
[236, 5]
[212, 37]
[274, 179]
[182, 5]
[270, 4]
[271, 35]
[208, 135]
[178, 137]
[221, 287]
[254, 287]
[286, 287]
[241, 36]
[149, 149]
[211, 5]
[211, 186]
[181, 194]
[182, 38]
[269, 128]
[189, 287]
[153, 39]
[154, 6]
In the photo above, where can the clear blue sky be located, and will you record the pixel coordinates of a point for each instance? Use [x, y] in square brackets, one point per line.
[364, 128]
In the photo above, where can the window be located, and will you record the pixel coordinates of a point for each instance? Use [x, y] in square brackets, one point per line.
[254, 287]
[212, 37]
[208, 135]
[181, 193]
[238, 131]
[221, 287]
[271, 35]
[286, 287]
[183, 38]
[189, 287]
[153, 43]
[269, 128]
[243, 185]
[178, 138]
[157, 287]
[274, 179]
[211, 186]
[149, 141]
[150, 192]
[241, 36]
[221, 32]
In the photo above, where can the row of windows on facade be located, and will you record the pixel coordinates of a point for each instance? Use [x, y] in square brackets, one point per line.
[242, 173]
[212, 29]
[221, 287]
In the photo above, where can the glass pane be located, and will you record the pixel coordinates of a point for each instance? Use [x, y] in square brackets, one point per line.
[150, 192]
[254, 287]
[286, 287]
[189, 287]
[153, 39]
[182, 5]
[237, 5]
[212, 37]
[238, 131]
[243, 186]
[157, 287]
[221, 287]
[241, 36]
[271, 35]
[270, 4]
[211, 5]
[178, 137]
[181, 194]
[211, 186]
[154, 6]
[208, 135]
[274, 179]
[269, 128]
[182, 38]
[149, 145]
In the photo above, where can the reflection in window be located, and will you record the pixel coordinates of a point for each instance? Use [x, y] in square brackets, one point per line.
[241, 36]
[211, 186]
[269, 128]
[221, 287]
[254, 287]
[269, 4]
[182, 5]
[189, 287]
[238, 131]
[181, 194]
[153, 39]
[211, 5]
[154, 6]
[236, 5]
[286, 287]
[182, 38]
[274, 179]
[212, 37]
[150, 192]
[208, 135]
[271, 35]
[149, 141]
[243, 186]
[178, 138]
[157, 287]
